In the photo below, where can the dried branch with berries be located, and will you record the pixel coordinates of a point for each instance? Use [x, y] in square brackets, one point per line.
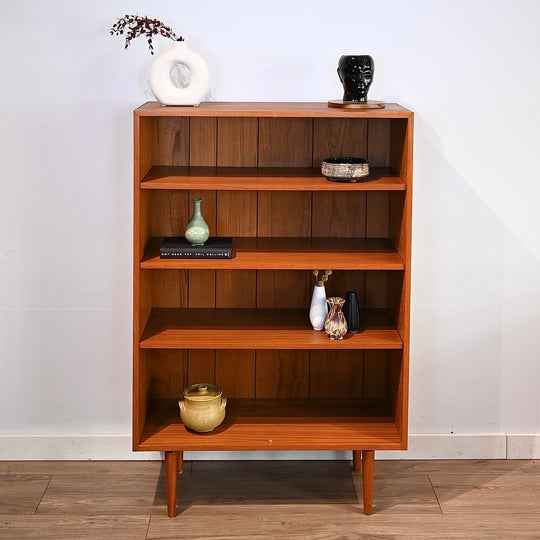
[133, 26]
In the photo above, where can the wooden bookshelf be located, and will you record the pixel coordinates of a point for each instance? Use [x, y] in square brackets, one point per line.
[243, 323]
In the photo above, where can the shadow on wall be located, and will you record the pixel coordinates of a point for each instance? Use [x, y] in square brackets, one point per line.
[475, 298]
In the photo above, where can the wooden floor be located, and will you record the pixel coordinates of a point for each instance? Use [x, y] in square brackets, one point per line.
[271, 499]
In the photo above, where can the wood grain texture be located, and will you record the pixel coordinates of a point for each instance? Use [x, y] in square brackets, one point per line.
[171, 474]
[487, 493]
[81, 527]
[285, 142]
[276, 424]
[283, 289]
[170, 288]
[336, 374]
[276, 499]
[289, 254]
[101, 495]
[240, 328]
[171, 141]
[339, 138]
[21, 493]
[235, 372]
[264, 179]
[169, 212]
[270, 110]
[282, 374]
[339, 215]
[201, 366]
[368, 463]
[168, 373]
[282, 214]
[237, 142]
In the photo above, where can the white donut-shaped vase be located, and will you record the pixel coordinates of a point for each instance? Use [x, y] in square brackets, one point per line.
[160, 76]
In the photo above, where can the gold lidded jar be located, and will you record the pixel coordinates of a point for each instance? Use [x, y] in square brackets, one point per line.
[203, 407]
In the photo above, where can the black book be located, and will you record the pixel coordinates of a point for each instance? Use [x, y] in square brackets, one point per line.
[177, 247]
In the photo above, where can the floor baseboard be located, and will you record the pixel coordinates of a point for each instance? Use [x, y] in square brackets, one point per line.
[421, 446]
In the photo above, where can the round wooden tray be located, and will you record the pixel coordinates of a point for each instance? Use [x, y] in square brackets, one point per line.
[355, 105]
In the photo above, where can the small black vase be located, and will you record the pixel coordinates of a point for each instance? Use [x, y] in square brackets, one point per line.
[351, 312]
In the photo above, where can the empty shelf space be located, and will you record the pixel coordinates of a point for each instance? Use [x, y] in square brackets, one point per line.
[289, 254]
[265, 179]
[205, 328]
[277, 424]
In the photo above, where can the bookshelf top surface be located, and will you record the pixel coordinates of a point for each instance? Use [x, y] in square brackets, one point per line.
[271, 109]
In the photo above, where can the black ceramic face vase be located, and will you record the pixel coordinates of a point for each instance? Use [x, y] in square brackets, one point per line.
[356, 73]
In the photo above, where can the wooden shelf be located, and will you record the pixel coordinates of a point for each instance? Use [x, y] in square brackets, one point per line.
[277, 424]
[250, 109]
[205, 328]
[265, 179]
[289, 254]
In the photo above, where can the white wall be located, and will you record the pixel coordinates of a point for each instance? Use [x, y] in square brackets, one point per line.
[469, 71]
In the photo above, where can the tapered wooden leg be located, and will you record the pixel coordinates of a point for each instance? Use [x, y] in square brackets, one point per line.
[368, 464]
[356, 460]
[180, 462]
[171, 477]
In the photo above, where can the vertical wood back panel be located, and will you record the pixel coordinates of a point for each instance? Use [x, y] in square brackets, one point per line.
[202, 283]
[235, 372]
[237, 146]
[339, 214]
[376, 292]
[336, 374]
[284, 214]
[201, 366]
[202, 288]
[171, 143]
[237, 213]
[285, 142]
[375, 374]
[236, 289]
[168, 373]
[283, 289]
[342, 281]
[237, 142]
[339, 137]
[169, 288]
[169, 211]
[202, 142]
[282, 373]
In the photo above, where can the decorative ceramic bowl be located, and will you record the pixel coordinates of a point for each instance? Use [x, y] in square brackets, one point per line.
[203, 407]
[345, 169]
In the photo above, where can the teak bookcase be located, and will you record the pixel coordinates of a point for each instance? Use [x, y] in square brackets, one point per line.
[243, 323]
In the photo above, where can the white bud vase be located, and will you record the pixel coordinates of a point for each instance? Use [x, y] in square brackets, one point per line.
[160, 76]
[318, 310]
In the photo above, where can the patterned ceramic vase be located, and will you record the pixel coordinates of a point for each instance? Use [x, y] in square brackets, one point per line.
[336, 325]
